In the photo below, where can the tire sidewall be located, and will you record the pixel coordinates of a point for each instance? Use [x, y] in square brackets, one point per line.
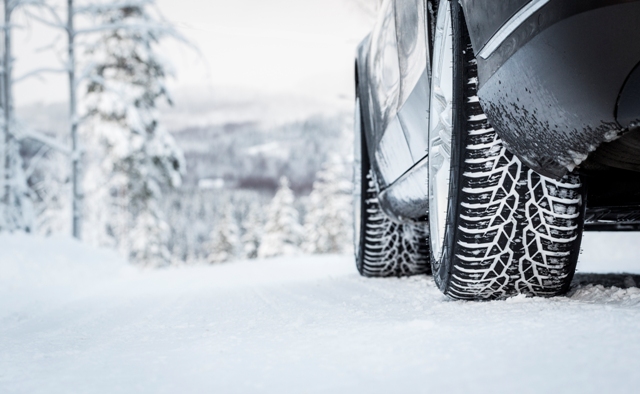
[442, 270]
[364, 172]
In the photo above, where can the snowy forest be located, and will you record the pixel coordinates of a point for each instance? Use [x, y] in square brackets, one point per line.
[105, 169]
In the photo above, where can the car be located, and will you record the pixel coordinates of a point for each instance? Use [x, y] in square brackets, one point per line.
[489, 135]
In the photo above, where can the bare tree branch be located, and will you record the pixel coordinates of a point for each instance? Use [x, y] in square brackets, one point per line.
[26, 133]
[39, 71]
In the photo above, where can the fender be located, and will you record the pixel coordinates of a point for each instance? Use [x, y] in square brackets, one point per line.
[549, 83]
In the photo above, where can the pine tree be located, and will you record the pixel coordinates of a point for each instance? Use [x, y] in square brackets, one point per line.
[139, 160]
[51, 187]
[282, 231]
[253, 229]
[148, 240]
[17, 199]
[329, 219]
[225, 238]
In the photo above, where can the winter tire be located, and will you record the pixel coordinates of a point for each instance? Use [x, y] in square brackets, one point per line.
[382, 248]
[497, 228]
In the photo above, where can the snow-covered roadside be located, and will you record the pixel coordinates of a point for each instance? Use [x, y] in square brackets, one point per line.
[34, 261]
[88, 324]
[38, 270]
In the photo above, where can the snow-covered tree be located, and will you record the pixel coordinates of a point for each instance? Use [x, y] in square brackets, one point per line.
[148, 240]
[253, 229]
[51, 186]
[329, 219]
[282, 231]
[138, 160]
[225, 238]
[16, 206]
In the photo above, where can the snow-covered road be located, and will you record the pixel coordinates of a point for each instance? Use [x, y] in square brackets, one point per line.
[298, 325]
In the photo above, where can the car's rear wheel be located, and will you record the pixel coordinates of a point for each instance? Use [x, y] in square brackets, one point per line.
[382, 248]
[497, 228]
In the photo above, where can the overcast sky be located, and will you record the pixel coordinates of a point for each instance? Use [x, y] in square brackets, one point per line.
[293, 46]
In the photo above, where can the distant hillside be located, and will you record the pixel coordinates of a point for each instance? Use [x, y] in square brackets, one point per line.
[235, 138]
[249, 140]
[253, 156]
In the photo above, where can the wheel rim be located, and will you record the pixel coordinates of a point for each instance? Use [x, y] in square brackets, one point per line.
[357, 179]
[440, 129]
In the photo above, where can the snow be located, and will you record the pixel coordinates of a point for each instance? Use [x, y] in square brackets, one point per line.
[37, 271]
[75, 319]
[620, 251]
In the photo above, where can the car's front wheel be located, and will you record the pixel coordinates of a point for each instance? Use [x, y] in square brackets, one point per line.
[497, 228]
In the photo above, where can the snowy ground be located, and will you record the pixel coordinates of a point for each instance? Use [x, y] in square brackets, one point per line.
[75, 320]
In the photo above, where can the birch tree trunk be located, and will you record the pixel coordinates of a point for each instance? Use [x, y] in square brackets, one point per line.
[6, 111]
[73, 115]
[3, 136]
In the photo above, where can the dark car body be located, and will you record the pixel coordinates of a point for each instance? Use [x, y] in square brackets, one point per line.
[558, 79]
